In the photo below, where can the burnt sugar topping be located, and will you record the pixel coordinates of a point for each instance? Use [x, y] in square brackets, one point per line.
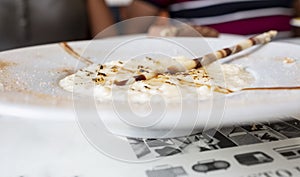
[132, 78]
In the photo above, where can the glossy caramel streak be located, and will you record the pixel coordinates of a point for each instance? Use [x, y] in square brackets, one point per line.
[273, 88]
[121, 83]
[139, 77]
[73, 53]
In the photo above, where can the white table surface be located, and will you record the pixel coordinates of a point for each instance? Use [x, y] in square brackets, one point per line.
[59, 149]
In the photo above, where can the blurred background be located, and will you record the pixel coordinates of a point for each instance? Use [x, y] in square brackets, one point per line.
[33, 22]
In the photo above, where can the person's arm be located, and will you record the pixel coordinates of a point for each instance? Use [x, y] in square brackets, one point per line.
[140, 8]
[100, 17]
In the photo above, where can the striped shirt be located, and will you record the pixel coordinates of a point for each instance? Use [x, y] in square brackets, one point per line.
[232, 16]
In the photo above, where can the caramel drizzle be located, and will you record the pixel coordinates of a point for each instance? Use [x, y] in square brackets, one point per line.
[228, 91]
[216, 88]
[198, 63]
[195, 64]
[73, 53]
[272, 88]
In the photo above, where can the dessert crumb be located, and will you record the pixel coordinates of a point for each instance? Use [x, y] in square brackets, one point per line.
[288, 60]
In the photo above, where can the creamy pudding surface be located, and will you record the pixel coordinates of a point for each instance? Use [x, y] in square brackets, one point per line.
[140, 79]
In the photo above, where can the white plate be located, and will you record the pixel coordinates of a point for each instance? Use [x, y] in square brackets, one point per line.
[29, 83]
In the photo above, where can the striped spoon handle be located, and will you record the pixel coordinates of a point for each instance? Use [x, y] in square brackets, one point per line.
[206, 59]
[225, 52]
